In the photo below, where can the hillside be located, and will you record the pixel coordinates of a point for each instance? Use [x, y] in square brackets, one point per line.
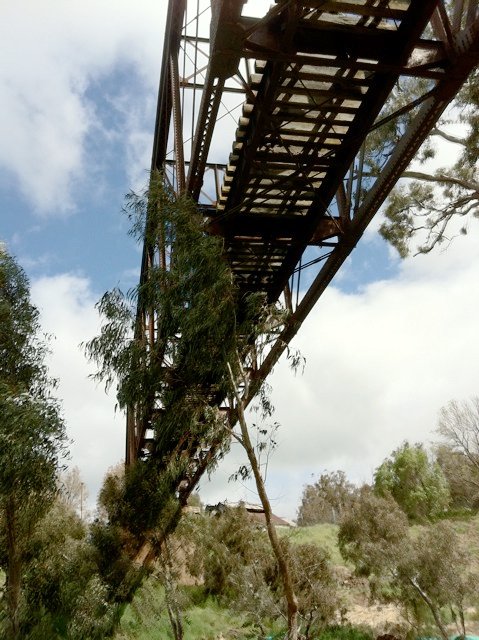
[206, 619]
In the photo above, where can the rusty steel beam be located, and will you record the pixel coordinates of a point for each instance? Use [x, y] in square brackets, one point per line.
[226, 33]
[174, 23]
[210, 104]
[177, 123]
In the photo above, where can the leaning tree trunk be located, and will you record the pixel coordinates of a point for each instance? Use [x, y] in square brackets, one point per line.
[13, 577]
[432, 608]
[283, 565]
[172, 607]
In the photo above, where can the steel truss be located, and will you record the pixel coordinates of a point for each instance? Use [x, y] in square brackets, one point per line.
[304, 85]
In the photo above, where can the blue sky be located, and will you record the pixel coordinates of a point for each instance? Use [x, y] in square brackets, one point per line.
[386, 347]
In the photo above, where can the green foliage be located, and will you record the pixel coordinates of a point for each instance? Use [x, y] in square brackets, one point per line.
[61, 564]
[193, 298]
[58, 532]
[434, 581]
[149, 496]
[326, 499]
[414, 481]
[440, 566]
[223, 546]
[235, 560]
[30, 438]
[113, 561]
[93, 618]
[56, 584]
[75, 582]
[468, 102]
[315, 587]
[372, 533]
[22, 348]
[32, 435]
[180, 367]
[110, 495]
[404, 205]
[422, 208]
[345, 632]
[427, 573]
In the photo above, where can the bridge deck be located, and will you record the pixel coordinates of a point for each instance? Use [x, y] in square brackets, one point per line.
[308, 109]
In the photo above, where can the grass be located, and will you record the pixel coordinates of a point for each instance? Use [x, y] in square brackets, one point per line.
[345, 632]
[207, 622]
[147, 619]
[324, 535]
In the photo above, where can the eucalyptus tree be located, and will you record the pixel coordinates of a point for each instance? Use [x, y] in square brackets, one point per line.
[431, 203]
[326, 499]
[426, 572]
[415, 481]
[203, 330]
[183, 370]
[243, 437]
[32, 433]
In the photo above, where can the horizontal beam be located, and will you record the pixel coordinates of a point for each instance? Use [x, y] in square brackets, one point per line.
[272, 227]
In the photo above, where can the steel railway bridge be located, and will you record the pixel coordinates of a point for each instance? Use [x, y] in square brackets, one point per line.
[264, 117]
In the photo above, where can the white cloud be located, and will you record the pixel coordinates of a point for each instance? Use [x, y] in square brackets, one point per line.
[380, 364]
[139, 143]
[51, 52]
[66, 304]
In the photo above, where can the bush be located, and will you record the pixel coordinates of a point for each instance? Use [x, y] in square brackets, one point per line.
[345, 632]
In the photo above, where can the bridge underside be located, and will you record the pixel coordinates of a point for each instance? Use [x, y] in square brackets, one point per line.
[308, 86]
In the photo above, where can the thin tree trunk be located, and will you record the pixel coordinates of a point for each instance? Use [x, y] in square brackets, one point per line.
[432, 608]
[291, 599]
[13, 577]
[174, 620]
[463, 621]
[173, 609]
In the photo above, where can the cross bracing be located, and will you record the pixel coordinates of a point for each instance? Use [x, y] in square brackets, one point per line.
[265, 121]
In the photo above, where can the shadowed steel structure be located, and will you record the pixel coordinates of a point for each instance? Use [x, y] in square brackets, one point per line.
[264, 119]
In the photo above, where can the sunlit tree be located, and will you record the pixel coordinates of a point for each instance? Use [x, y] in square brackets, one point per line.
[32, 433]
[415, 481]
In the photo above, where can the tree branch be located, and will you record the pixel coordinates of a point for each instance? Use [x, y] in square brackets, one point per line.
[447, 136]
[442, 179]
